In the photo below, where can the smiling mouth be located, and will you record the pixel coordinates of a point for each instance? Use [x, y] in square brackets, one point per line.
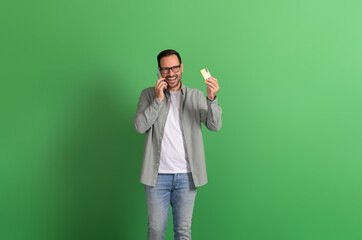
[172, 79]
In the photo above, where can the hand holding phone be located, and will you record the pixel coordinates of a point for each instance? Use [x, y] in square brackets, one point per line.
[160, 87]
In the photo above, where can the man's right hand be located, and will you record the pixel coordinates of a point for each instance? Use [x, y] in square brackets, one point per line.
[160, 85]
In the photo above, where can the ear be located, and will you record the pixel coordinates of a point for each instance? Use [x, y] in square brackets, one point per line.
[182, 67]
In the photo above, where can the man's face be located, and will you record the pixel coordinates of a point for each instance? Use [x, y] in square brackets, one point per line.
[173, 79]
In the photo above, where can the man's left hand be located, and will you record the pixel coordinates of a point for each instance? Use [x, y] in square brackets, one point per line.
[212, 88]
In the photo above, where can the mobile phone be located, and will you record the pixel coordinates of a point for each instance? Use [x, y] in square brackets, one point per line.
[159, 76]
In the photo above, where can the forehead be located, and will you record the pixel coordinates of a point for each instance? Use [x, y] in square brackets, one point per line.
[169, 61]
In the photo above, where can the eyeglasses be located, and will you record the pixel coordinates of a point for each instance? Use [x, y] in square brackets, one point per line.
[166, 70]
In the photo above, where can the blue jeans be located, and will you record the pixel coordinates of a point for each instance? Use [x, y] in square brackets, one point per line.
[179, 191]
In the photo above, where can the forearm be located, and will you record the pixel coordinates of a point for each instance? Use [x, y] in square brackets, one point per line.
[213, 117]
[146, 114]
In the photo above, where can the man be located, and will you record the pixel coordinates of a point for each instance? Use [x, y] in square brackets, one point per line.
[173, 160]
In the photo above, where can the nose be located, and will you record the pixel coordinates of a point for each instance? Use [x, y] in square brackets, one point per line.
[170, 73]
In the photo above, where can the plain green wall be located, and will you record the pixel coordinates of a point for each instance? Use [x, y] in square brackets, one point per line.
[286, 164]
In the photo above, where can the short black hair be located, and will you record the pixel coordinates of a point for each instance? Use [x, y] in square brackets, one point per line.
[165, 53]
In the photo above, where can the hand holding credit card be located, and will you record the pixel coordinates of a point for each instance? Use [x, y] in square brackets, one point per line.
[211, 82]
[205, 73]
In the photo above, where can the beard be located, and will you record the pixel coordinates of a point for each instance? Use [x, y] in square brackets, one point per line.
[173, 83]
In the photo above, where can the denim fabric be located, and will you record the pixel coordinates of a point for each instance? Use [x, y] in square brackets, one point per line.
[178, 190]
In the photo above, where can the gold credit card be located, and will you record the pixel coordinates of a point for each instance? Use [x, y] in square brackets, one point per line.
[205, 73]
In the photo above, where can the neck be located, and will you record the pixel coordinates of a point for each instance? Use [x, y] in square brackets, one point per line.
[177, 88]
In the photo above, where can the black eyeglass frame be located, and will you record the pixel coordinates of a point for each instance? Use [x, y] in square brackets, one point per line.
[171, 68]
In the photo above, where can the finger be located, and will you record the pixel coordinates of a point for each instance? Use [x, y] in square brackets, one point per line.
[212, 88]
[214, 85]
[211, 84]
[162, 85]
[212, 80]
[160, 80]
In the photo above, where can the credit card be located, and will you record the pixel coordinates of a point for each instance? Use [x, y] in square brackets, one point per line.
[205, 73]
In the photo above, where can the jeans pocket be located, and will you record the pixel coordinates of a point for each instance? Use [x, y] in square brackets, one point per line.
[191, 181]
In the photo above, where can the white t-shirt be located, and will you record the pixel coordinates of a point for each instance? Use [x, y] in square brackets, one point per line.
[173, 151]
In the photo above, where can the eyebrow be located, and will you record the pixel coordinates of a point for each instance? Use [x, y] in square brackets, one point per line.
[171, 67]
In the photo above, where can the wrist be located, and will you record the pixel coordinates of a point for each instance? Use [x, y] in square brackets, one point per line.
[211, 98]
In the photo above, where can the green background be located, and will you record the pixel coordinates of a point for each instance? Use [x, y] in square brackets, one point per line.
[286, 164]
